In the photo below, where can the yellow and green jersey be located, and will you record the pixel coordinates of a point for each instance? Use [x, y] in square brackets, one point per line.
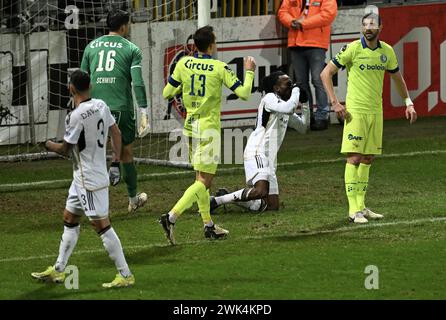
[114, 65]
[200, 78]
[366, 68]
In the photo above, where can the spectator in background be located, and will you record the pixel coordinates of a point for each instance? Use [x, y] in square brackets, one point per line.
[308, 23]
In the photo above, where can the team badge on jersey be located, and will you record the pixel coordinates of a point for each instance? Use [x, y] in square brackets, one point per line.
[383, 58]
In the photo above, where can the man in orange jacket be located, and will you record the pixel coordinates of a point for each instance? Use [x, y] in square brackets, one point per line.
[308, 23]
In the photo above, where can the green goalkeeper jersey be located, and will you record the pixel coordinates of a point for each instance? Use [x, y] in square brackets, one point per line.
[201, 78]
[366, 68]
[114, 64]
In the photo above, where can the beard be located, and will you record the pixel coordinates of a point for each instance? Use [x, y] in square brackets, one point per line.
[370, 36]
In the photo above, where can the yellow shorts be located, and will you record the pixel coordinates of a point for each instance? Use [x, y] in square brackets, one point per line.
[363, 134]
[204, 154]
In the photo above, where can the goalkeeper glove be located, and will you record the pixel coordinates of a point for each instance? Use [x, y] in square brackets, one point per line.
[144, 127]
[114, 173]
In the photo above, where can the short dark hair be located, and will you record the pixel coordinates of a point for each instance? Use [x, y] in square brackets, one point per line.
[117, 18]
[204, 37]
[371, 15]
[80, 80]
[270, 81]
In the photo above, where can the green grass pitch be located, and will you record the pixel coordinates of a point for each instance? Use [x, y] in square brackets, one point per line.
[307, 250]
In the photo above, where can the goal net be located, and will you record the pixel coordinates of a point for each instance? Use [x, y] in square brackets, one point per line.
[41, 42]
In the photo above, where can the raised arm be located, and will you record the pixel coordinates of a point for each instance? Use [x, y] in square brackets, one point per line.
[301, 123]
[174, 84]
[411, 114]
[242, 90]
[273, 103]
[172, 88]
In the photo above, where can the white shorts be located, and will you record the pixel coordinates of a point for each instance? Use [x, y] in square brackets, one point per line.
[94, 204]
[258, 168]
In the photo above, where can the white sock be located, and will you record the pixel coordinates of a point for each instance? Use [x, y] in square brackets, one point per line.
[172, 217]
[67, 244]
[230, 197]
[209, 224]
[113, 246]
[133, 200]
[253, 205]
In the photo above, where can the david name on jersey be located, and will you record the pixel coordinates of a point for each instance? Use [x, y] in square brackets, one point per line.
[89, 113]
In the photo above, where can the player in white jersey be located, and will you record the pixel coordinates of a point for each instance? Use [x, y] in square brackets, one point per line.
[275, 114]
[85, 138]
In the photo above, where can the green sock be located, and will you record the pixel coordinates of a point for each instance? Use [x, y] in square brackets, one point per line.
[363, 181]
[129, 176]
[191, 195]
[351, 180]
[204, 206]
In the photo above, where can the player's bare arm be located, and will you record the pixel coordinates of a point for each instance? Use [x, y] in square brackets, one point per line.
[327, 79]
[244, 91]
[62, 148]
[411, 114]
[250, 63]
[116, 142]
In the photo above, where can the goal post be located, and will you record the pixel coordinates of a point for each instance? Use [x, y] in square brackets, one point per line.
[34, 99]
[204, 13]
[42, 42]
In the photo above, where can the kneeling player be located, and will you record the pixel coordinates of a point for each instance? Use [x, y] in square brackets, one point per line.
[275, 114]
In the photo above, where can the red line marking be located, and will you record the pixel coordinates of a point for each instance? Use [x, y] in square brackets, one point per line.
[261, 46]
[343, 40]
[224, 113]
[276, 45]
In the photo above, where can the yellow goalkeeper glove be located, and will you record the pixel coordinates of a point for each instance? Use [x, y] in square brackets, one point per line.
[144, 126]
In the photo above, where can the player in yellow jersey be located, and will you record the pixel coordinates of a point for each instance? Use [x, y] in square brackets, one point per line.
[200, 78]
[366, 61]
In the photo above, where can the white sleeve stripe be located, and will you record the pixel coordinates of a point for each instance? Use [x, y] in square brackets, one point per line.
[138, 66]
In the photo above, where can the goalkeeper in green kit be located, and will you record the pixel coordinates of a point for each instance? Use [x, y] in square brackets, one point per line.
[115, 65]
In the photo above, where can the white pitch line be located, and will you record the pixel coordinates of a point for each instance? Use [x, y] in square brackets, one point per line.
[239, 168]
[293, 234]
[35, 183]
[389, 155]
